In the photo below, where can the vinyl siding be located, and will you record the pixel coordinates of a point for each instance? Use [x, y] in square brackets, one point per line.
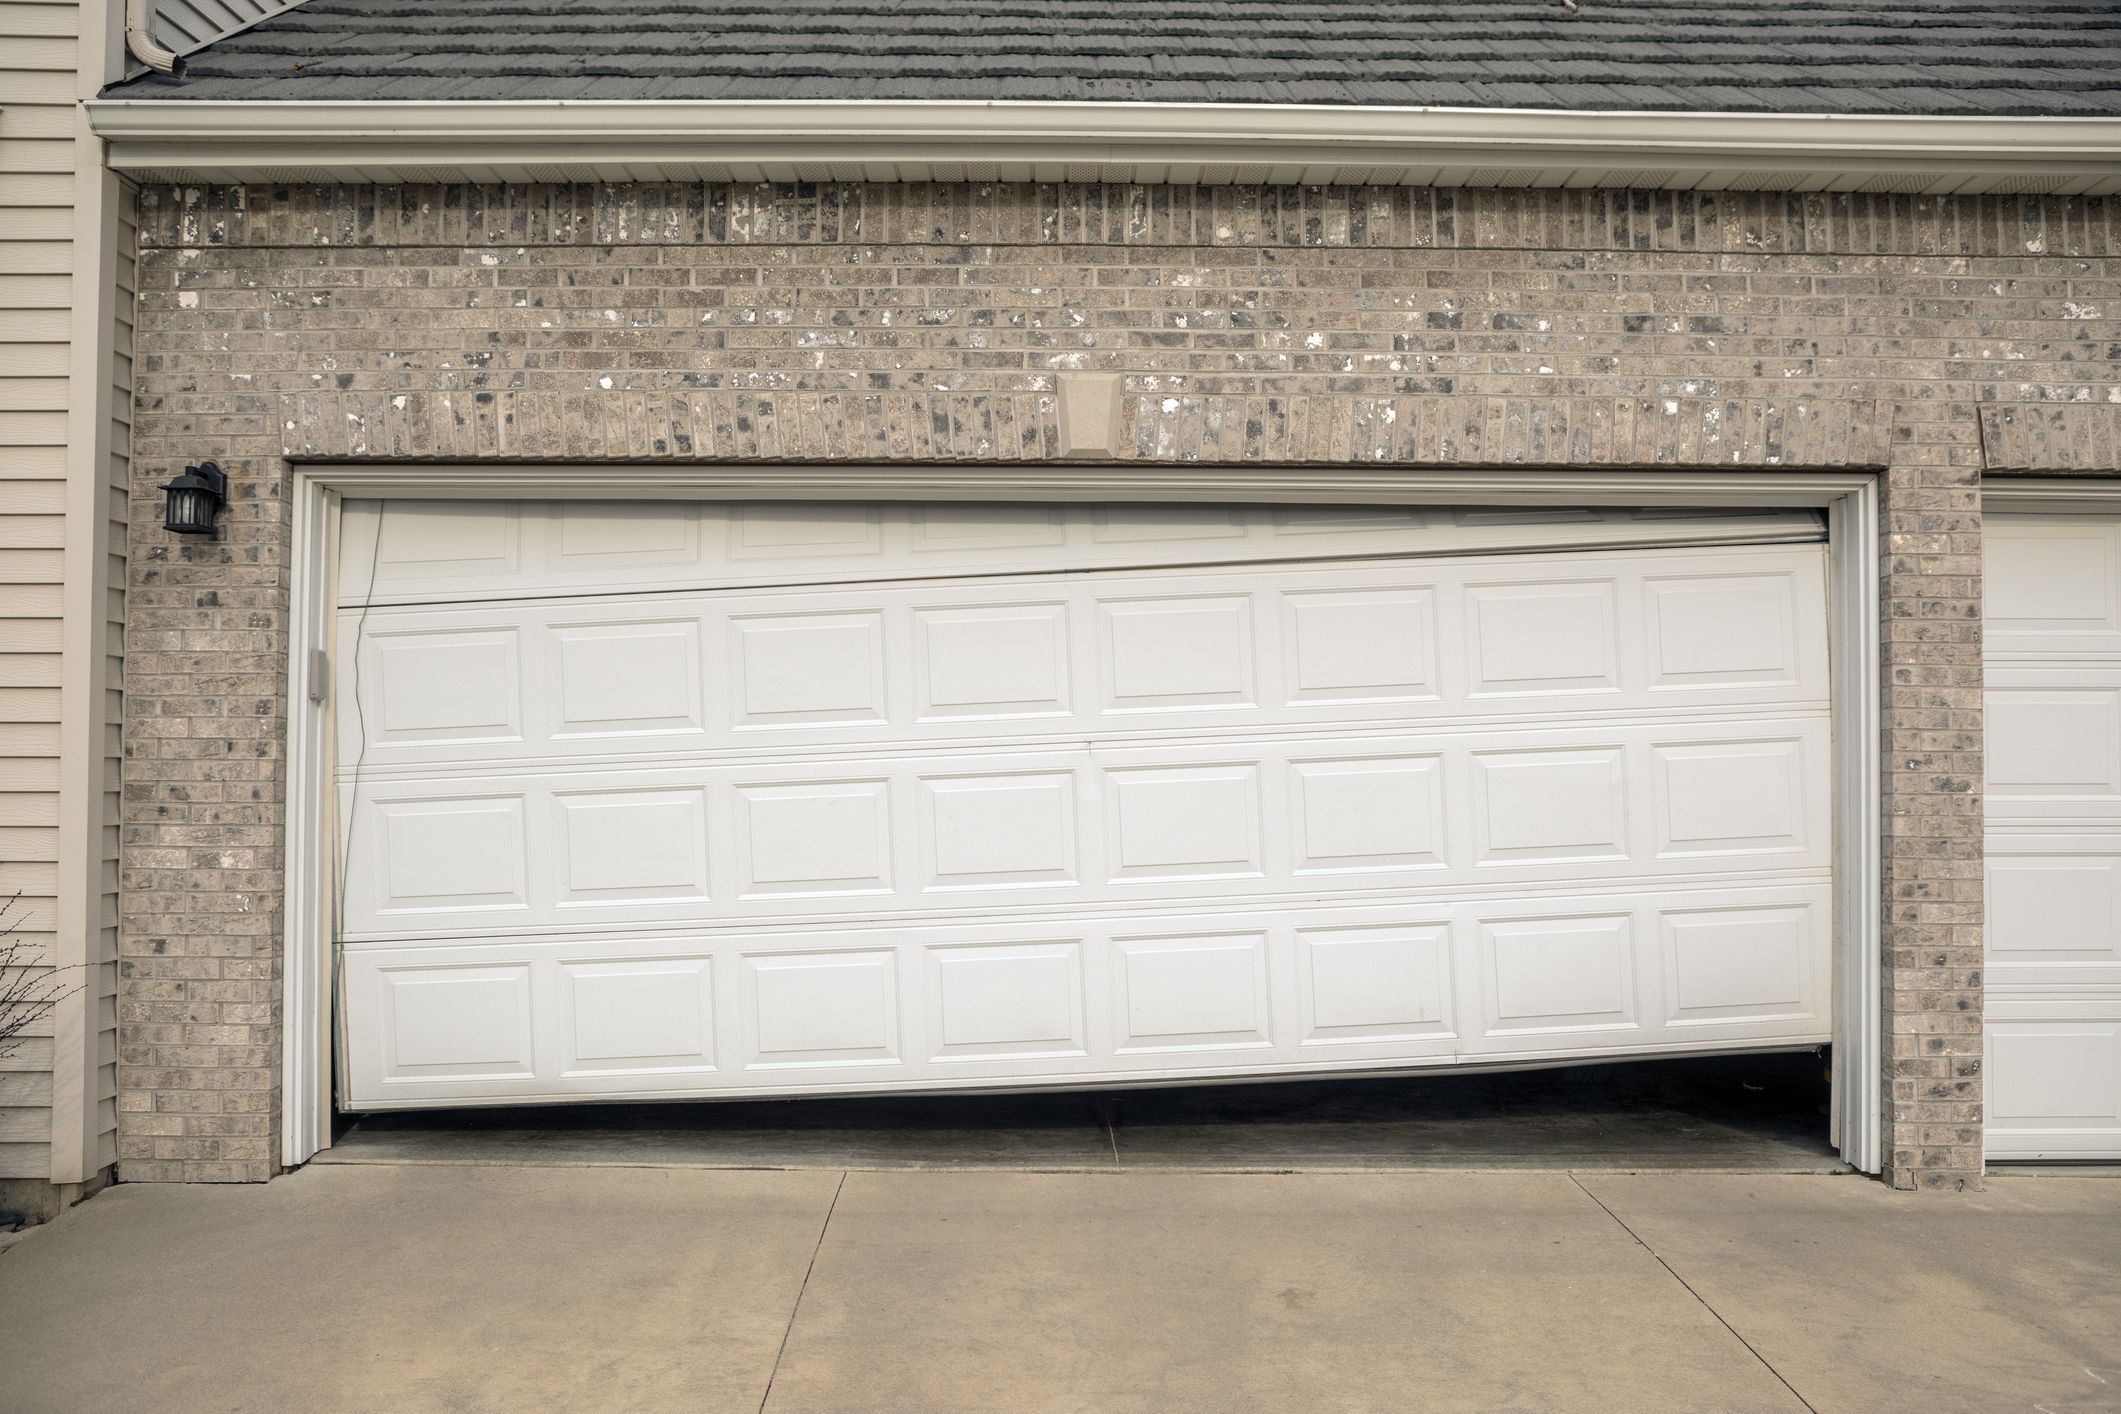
[117, 477]
[43, 254]
[36, 263]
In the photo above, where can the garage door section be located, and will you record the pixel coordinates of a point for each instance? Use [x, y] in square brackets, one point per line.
[685, 800]
[2053, 633]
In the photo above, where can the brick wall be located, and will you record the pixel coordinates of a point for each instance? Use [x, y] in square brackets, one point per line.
[930, 323]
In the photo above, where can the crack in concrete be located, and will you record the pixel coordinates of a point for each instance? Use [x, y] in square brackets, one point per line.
[1659, 1259]
[796, 1309]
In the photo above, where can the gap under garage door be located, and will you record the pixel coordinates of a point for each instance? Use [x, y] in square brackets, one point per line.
[643, 801]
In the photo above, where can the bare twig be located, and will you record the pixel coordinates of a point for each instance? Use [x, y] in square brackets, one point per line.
[28, 991]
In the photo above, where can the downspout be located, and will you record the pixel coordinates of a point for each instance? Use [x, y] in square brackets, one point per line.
[140, 40]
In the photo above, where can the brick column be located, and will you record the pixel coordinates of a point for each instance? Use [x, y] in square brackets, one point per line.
[204, 820]
[1933, 797]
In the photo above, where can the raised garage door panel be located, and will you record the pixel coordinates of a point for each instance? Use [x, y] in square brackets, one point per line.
[441, 551]
[2052, 629]
[1088, 821]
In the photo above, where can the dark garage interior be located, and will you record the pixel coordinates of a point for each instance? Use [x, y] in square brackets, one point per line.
[1758, 1112]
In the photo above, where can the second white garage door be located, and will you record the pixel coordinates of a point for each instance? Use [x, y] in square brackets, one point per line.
[2052, 623]
[684, 800]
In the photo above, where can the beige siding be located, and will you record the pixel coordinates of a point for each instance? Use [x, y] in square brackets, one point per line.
[59, 275]
[109, 740]
[36, 251]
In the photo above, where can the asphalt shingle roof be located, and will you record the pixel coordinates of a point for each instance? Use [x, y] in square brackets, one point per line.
[1925, 57]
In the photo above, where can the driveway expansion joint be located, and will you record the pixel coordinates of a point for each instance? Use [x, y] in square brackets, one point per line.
[1735, 1335]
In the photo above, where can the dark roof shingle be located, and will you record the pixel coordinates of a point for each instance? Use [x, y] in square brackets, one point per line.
[1917, 57]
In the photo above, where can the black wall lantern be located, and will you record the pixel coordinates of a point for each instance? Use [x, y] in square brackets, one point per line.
[194, 499]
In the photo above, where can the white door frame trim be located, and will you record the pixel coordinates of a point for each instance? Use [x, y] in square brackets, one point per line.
[1850, 498]
[2049, 495]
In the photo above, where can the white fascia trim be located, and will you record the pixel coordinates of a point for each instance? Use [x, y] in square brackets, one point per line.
[229, 135]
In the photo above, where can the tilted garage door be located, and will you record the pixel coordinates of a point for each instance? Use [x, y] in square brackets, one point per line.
[659, 800]
[2052, 1074]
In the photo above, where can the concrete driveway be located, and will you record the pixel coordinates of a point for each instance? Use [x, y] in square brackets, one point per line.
[469, 1288]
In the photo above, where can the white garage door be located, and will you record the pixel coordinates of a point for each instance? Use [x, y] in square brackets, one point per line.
[2053, 646]
[688, 800]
